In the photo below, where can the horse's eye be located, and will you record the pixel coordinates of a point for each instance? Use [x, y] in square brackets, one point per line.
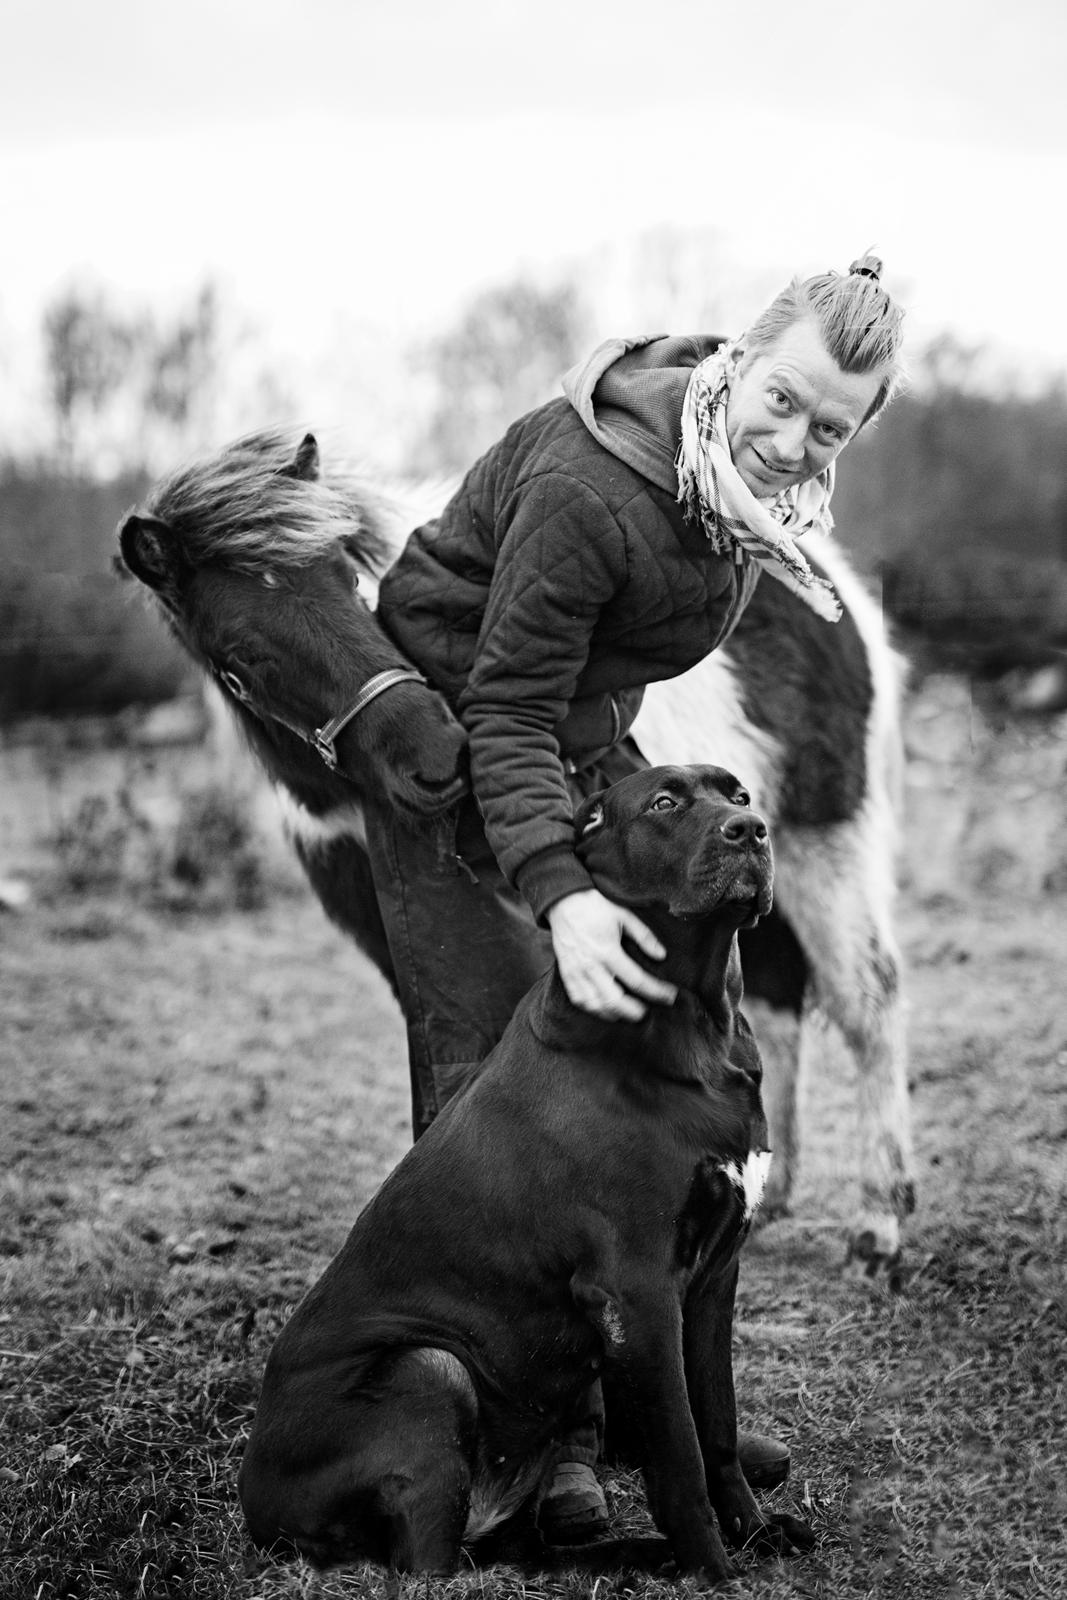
[233, 683]
[663, 802]
[742, 798]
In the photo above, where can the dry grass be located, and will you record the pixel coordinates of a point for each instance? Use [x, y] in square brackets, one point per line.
[192, 1110]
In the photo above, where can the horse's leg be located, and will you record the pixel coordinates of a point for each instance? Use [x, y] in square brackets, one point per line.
[776, 975]
[338, 870]
[778, 1035]
[837, 889]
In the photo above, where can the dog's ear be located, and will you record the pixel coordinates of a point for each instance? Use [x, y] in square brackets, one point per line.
[589, 817]
[150, 550]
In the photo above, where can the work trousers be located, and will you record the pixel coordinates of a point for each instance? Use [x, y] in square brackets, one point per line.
[464, 944]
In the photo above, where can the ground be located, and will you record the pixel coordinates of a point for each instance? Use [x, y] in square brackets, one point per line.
[194, 1105]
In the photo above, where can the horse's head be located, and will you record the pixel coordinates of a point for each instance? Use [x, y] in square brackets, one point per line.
[256, 563]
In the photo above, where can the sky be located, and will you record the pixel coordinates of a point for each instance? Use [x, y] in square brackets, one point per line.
[349, 172]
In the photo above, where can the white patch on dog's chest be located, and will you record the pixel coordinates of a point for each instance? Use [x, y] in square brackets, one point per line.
[611, 1326]
[750, 1179]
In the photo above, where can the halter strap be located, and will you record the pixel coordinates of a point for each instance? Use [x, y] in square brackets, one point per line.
[325, 738]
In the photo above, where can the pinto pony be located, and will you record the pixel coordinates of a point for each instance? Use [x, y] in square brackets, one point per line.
[256, 555]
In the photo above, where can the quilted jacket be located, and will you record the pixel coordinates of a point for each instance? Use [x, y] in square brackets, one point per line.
[557, 583]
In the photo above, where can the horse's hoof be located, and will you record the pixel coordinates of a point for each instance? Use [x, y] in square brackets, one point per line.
[775, 1212]
[875, 1257]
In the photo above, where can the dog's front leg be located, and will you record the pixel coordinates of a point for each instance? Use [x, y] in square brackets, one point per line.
[709, 1372]
[644, 1339]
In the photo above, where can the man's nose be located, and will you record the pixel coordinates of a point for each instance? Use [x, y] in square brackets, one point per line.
[789, 440]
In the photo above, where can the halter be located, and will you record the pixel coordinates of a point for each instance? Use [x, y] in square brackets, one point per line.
[324, 739]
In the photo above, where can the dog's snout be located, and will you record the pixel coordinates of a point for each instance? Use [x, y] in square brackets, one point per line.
[745, 828]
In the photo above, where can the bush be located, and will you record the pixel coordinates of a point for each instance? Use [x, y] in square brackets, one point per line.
[73, 637]
[981, 611]
[211, 860]
[216, 858]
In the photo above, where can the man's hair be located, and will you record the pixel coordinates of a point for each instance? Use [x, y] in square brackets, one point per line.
[859, 322]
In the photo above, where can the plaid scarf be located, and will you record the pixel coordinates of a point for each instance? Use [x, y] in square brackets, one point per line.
[712, 491]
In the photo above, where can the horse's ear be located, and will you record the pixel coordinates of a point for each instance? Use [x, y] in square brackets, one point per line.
[305, 464]
[149, 550]
[589, 817]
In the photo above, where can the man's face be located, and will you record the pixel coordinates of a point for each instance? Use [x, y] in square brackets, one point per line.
[791, 410]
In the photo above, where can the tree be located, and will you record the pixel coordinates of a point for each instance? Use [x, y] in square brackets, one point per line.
[122, 384]
[505, 355]
[87, 354]
[181, 360]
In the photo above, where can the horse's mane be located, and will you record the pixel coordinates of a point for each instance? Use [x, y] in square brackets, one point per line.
[245, 507]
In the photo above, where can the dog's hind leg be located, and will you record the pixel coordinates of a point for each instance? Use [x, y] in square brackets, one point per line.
[403, 1493]
[426, 1518]
[428, 1416]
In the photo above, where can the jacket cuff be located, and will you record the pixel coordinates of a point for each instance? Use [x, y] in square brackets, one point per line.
[549, 876]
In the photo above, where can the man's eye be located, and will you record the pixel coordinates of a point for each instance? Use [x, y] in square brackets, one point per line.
[663, 802]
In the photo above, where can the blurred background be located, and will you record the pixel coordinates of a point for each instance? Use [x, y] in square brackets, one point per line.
[399, 222]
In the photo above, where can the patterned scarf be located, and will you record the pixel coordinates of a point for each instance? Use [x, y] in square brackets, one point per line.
[712, 491]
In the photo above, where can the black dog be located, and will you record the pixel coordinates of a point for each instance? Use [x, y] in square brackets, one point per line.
[581, 1205]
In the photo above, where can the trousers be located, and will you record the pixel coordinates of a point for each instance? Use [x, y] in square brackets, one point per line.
[464, 944]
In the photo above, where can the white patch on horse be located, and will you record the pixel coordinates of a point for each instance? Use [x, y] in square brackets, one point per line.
[750, 1179]
[885, 759]
[312, 832]
[697, 718]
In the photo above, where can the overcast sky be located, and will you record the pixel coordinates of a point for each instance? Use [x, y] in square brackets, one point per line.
[343, 162]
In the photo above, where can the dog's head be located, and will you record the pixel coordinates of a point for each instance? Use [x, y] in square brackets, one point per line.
[682, 837]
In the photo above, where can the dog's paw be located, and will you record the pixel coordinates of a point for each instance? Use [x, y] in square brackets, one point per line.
[781, 1536]
[726, 1582]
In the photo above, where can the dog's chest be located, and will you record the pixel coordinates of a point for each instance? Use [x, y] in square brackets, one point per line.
[722, 1196]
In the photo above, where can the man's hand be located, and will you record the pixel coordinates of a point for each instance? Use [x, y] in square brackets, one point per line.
[598, 975]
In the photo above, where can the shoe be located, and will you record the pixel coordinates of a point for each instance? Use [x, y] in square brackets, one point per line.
[764, 1461]
[572, 1509]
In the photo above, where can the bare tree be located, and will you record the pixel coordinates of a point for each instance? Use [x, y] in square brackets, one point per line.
[87, 354]
[505, 355]
[181, 360]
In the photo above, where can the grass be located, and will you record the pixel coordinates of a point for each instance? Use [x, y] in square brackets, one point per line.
[193, 1108]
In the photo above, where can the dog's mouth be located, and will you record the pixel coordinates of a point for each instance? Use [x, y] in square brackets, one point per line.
[744, 887]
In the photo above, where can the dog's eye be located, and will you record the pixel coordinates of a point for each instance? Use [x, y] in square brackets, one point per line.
[742, 798]
[663, 802]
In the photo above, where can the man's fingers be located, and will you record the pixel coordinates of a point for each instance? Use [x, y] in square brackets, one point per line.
[606, 1000]
[641, 935]
[645, 984]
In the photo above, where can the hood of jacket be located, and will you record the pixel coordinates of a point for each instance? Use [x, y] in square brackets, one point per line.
[629, 394]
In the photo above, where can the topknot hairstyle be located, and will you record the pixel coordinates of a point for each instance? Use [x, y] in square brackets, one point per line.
[859, 322]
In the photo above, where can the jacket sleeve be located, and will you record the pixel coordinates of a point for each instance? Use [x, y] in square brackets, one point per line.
[562, 557]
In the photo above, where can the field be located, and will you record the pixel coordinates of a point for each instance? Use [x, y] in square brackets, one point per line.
[194, 1103]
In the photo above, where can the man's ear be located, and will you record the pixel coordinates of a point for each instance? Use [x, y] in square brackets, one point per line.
[305, 464]
[150, 551]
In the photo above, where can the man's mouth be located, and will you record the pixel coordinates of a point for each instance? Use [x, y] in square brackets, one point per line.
[769, 467]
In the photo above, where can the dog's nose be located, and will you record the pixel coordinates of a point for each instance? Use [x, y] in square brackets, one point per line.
[745, 827]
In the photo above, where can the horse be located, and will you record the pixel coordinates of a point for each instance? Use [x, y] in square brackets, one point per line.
[265, 565]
